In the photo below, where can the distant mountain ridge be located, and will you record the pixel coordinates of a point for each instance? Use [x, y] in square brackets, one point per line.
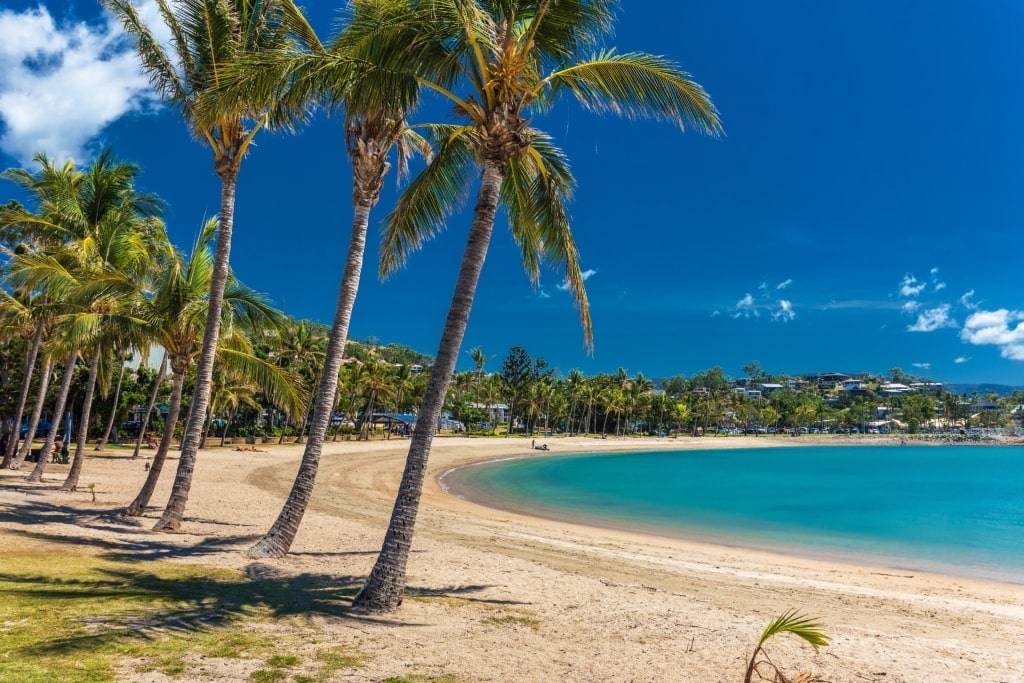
[982, 389]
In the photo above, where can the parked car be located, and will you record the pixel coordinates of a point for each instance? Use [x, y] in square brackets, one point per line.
[42, 429]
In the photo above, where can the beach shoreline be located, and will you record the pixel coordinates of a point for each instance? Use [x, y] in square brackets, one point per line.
[608, 605]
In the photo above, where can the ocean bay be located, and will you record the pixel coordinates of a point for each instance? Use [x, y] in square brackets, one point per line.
[949, 509]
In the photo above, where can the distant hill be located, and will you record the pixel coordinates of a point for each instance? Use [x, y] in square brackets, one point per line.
[982, 389]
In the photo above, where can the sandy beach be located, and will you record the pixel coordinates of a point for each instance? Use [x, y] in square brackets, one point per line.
[586, 604]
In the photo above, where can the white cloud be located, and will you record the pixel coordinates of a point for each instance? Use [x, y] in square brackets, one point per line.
[586, 275]
[715, 313]
[1001, 328]
[746, 307]
[922, 366]
[784, 284]
[910, 286]
[933, 319]
[542, 294]
[961, 359]
[910, 306]
[966, 302]
[785, 311]
[62, 84]
[763, 286]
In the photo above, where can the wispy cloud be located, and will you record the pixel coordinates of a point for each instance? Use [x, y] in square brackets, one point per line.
[960, 360]
[933, 319]
[784, 284]
[586, 274]
[966, 302]
[910, 306]
[922, 366]
[784, 312]
[1001, 328]
[61, 84]
[910, 286]
[745, 307]
[542, 294]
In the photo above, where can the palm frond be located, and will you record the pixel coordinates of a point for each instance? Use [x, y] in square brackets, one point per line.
[438, 191]
[639, 86]
[799, 625]
[282, 387]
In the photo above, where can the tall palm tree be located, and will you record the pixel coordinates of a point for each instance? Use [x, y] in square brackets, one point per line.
[122, 358]
[206, 36]
[373, 106]
[176, 313]
[479, 361]
[513, 56]
[575, 384]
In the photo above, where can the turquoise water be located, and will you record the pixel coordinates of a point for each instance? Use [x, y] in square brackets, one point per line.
[957, 510]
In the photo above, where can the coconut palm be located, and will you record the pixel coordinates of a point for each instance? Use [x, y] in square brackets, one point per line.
[150, 402]
[514, 57]
[479, 361]
[373, 105]
[94, 225]
[176, 313]
[22, 317]
[58, 416]
[206, 36]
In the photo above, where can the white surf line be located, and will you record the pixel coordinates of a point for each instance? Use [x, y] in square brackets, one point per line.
[1011, 611]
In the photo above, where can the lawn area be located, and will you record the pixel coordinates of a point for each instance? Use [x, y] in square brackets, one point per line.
[66, 615]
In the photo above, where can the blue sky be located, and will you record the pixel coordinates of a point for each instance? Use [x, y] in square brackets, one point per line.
[863, 211]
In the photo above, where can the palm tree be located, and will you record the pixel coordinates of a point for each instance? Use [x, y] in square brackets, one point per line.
[208, 35]
[176, 313]
[479, 361]
[122, 358]
[374, 113]
[513, 56]
[574, 384]
[22, 318]
[58, 416]
[95, 226]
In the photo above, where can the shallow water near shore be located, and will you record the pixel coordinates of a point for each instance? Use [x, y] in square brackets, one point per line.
[953, 509]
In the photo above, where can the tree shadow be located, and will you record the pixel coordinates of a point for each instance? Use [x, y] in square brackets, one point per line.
[182, 605]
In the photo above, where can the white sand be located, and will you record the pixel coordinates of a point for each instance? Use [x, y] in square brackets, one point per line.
[605, 605]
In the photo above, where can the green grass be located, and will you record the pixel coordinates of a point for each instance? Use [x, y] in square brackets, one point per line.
[74, 617]
[513, 620]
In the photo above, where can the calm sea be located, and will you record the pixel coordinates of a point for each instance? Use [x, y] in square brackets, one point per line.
[950, 509]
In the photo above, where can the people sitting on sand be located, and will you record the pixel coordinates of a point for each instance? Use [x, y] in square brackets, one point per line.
[250, 449]
[542, 447]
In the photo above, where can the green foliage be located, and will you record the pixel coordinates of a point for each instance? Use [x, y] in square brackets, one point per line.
[790, 621]
[73, 617]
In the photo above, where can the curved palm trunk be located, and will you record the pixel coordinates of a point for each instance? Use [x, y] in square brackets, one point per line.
[149, 406]
[113, 410]
[58, 414]
[175, 510]
[71, 483]
[33, 423]
[138, 506]
[386, 584]
[26, 384]
[278, 540]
